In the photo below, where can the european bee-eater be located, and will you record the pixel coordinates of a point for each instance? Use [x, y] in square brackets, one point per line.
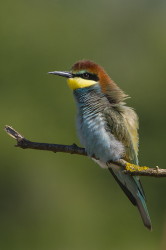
[106, 126]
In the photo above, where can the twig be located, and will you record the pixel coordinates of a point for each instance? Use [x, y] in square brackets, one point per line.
[23, 143]
[131, 169]
[151, 172]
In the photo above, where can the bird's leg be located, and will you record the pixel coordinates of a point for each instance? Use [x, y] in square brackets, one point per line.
[132, 167]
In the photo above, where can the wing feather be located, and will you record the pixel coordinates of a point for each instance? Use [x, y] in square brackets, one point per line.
[123, 124]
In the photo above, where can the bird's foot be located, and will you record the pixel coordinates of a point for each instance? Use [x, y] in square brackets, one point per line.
[132, 167]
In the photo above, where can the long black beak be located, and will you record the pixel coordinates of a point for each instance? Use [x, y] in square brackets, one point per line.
[61, 73]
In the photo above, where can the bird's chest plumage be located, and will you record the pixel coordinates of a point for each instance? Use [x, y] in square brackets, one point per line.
[93, 128]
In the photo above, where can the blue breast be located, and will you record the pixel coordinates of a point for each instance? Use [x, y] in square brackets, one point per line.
[93, 129]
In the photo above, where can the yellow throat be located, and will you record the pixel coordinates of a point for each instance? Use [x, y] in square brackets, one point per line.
[78, 82]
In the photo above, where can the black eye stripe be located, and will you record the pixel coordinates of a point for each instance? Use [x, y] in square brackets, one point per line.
[87, 75]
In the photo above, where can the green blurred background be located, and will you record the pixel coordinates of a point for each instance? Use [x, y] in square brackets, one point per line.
[66, 202]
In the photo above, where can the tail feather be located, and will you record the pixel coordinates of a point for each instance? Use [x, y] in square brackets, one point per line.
[141, 204]
[123, 187]
[134, 191]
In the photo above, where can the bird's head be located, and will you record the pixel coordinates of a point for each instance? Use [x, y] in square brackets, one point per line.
[86, 73]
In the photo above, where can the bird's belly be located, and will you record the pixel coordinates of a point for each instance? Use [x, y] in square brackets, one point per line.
[98, 140]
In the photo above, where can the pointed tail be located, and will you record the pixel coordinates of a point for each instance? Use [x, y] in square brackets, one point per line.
[134, 191]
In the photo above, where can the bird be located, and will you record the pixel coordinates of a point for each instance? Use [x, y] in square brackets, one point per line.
[107, 127]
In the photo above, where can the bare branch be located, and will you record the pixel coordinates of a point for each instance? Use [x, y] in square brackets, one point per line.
[23, 143]
[131, 169]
